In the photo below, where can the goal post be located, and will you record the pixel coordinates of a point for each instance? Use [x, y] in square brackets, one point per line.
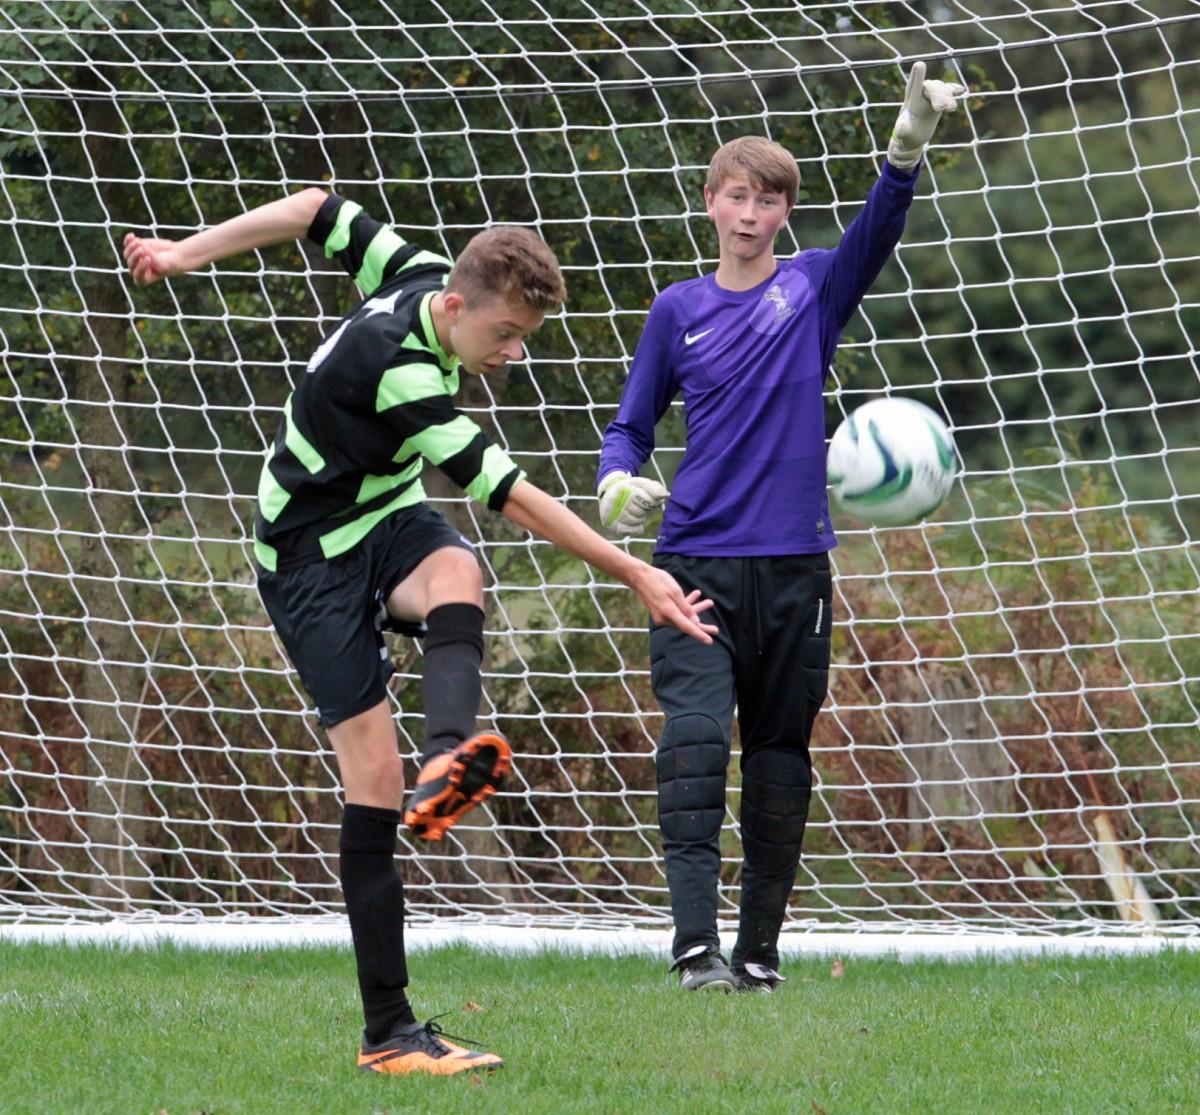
[1011, 738]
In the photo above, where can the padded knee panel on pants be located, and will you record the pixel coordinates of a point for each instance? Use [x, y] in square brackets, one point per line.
[776, 787]
[691, 760]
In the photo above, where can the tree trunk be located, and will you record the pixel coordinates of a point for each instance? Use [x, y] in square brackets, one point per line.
[962, 770]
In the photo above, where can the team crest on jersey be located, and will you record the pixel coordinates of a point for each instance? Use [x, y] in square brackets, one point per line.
[779, 298]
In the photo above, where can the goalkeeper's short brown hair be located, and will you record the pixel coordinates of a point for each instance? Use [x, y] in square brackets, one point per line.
[767, 165]
[512, 262]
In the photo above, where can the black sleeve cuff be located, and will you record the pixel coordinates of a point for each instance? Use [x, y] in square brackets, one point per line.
[500, 496]
[323, 222]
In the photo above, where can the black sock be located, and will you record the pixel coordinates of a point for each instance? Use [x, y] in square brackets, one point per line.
[451, 685]
[374, 894]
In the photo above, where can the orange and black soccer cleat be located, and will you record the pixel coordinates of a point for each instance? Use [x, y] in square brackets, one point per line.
[422, 1048]
[456, 781]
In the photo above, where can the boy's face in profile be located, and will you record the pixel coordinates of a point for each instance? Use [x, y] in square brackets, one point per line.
[489, 334]
[748, 217]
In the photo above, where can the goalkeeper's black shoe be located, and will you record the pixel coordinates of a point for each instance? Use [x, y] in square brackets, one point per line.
[703, 969]
[421, 1047]
[456, 781]
[757, 978]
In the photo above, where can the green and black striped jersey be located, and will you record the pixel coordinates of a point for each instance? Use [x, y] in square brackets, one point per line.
[375, 401]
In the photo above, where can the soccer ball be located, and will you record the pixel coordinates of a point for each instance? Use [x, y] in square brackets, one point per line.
[891, 462]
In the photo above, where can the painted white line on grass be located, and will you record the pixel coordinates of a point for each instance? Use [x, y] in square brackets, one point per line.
[264, 933]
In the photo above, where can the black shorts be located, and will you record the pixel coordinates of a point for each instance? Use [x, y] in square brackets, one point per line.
[770, 659]
[331, 615]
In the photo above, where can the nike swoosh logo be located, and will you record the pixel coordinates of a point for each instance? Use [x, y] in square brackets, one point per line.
[688, 339]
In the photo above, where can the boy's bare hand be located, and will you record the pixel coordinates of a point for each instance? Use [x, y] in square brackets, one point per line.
[661, 594]
[151, 260]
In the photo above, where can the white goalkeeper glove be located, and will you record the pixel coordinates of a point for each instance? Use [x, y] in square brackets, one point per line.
[924, 103]
[626, 501]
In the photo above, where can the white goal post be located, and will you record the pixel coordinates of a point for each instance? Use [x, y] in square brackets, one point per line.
[1012, 738]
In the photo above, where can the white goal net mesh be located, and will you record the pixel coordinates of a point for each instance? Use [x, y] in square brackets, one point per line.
[1011, 739]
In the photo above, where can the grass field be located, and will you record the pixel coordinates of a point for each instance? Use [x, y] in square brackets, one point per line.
[93, 1030]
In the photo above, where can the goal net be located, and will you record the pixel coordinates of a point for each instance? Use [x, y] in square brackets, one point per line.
[1011, 737]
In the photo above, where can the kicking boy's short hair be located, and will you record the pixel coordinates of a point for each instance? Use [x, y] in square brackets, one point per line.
[513, 263]
[767, 165]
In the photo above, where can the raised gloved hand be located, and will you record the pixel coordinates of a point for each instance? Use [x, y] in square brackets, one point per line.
[924, 103]
[626, 501]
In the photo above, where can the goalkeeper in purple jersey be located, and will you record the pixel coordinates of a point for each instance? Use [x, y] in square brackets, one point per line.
[747, 524]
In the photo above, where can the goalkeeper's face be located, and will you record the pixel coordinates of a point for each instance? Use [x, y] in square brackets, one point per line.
[748, 217]
[489, 333]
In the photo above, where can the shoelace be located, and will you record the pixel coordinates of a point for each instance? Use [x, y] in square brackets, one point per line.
[431, 1033]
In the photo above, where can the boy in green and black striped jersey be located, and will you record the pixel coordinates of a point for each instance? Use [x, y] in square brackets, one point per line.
[348, 548]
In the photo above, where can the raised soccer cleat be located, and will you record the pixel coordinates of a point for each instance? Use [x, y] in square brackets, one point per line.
[703, 969]
[757, 978]
[456, 781]
[422, 1048]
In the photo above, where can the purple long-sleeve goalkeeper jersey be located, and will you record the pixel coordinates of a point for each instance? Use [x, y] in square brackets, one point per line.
[751, 365]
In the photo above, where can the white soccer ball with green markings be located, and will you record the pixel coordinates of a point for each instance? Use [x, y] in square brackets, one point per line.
[891, 462]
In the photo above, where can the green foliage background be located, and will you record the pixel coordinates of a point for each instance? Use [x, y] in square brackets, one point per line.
[155, 752]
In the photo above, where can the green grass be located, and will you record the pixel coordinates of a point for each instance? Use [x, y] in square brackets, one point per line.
[100, 1030]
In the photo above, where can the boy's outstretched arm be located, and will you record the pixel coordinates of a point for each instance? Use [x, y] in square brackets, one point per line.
[530, 507]
[876, 230]
[286, 219]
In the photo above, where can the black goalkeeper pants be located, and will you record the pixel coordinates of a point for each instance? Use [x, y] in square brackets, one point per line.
[770, 663]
